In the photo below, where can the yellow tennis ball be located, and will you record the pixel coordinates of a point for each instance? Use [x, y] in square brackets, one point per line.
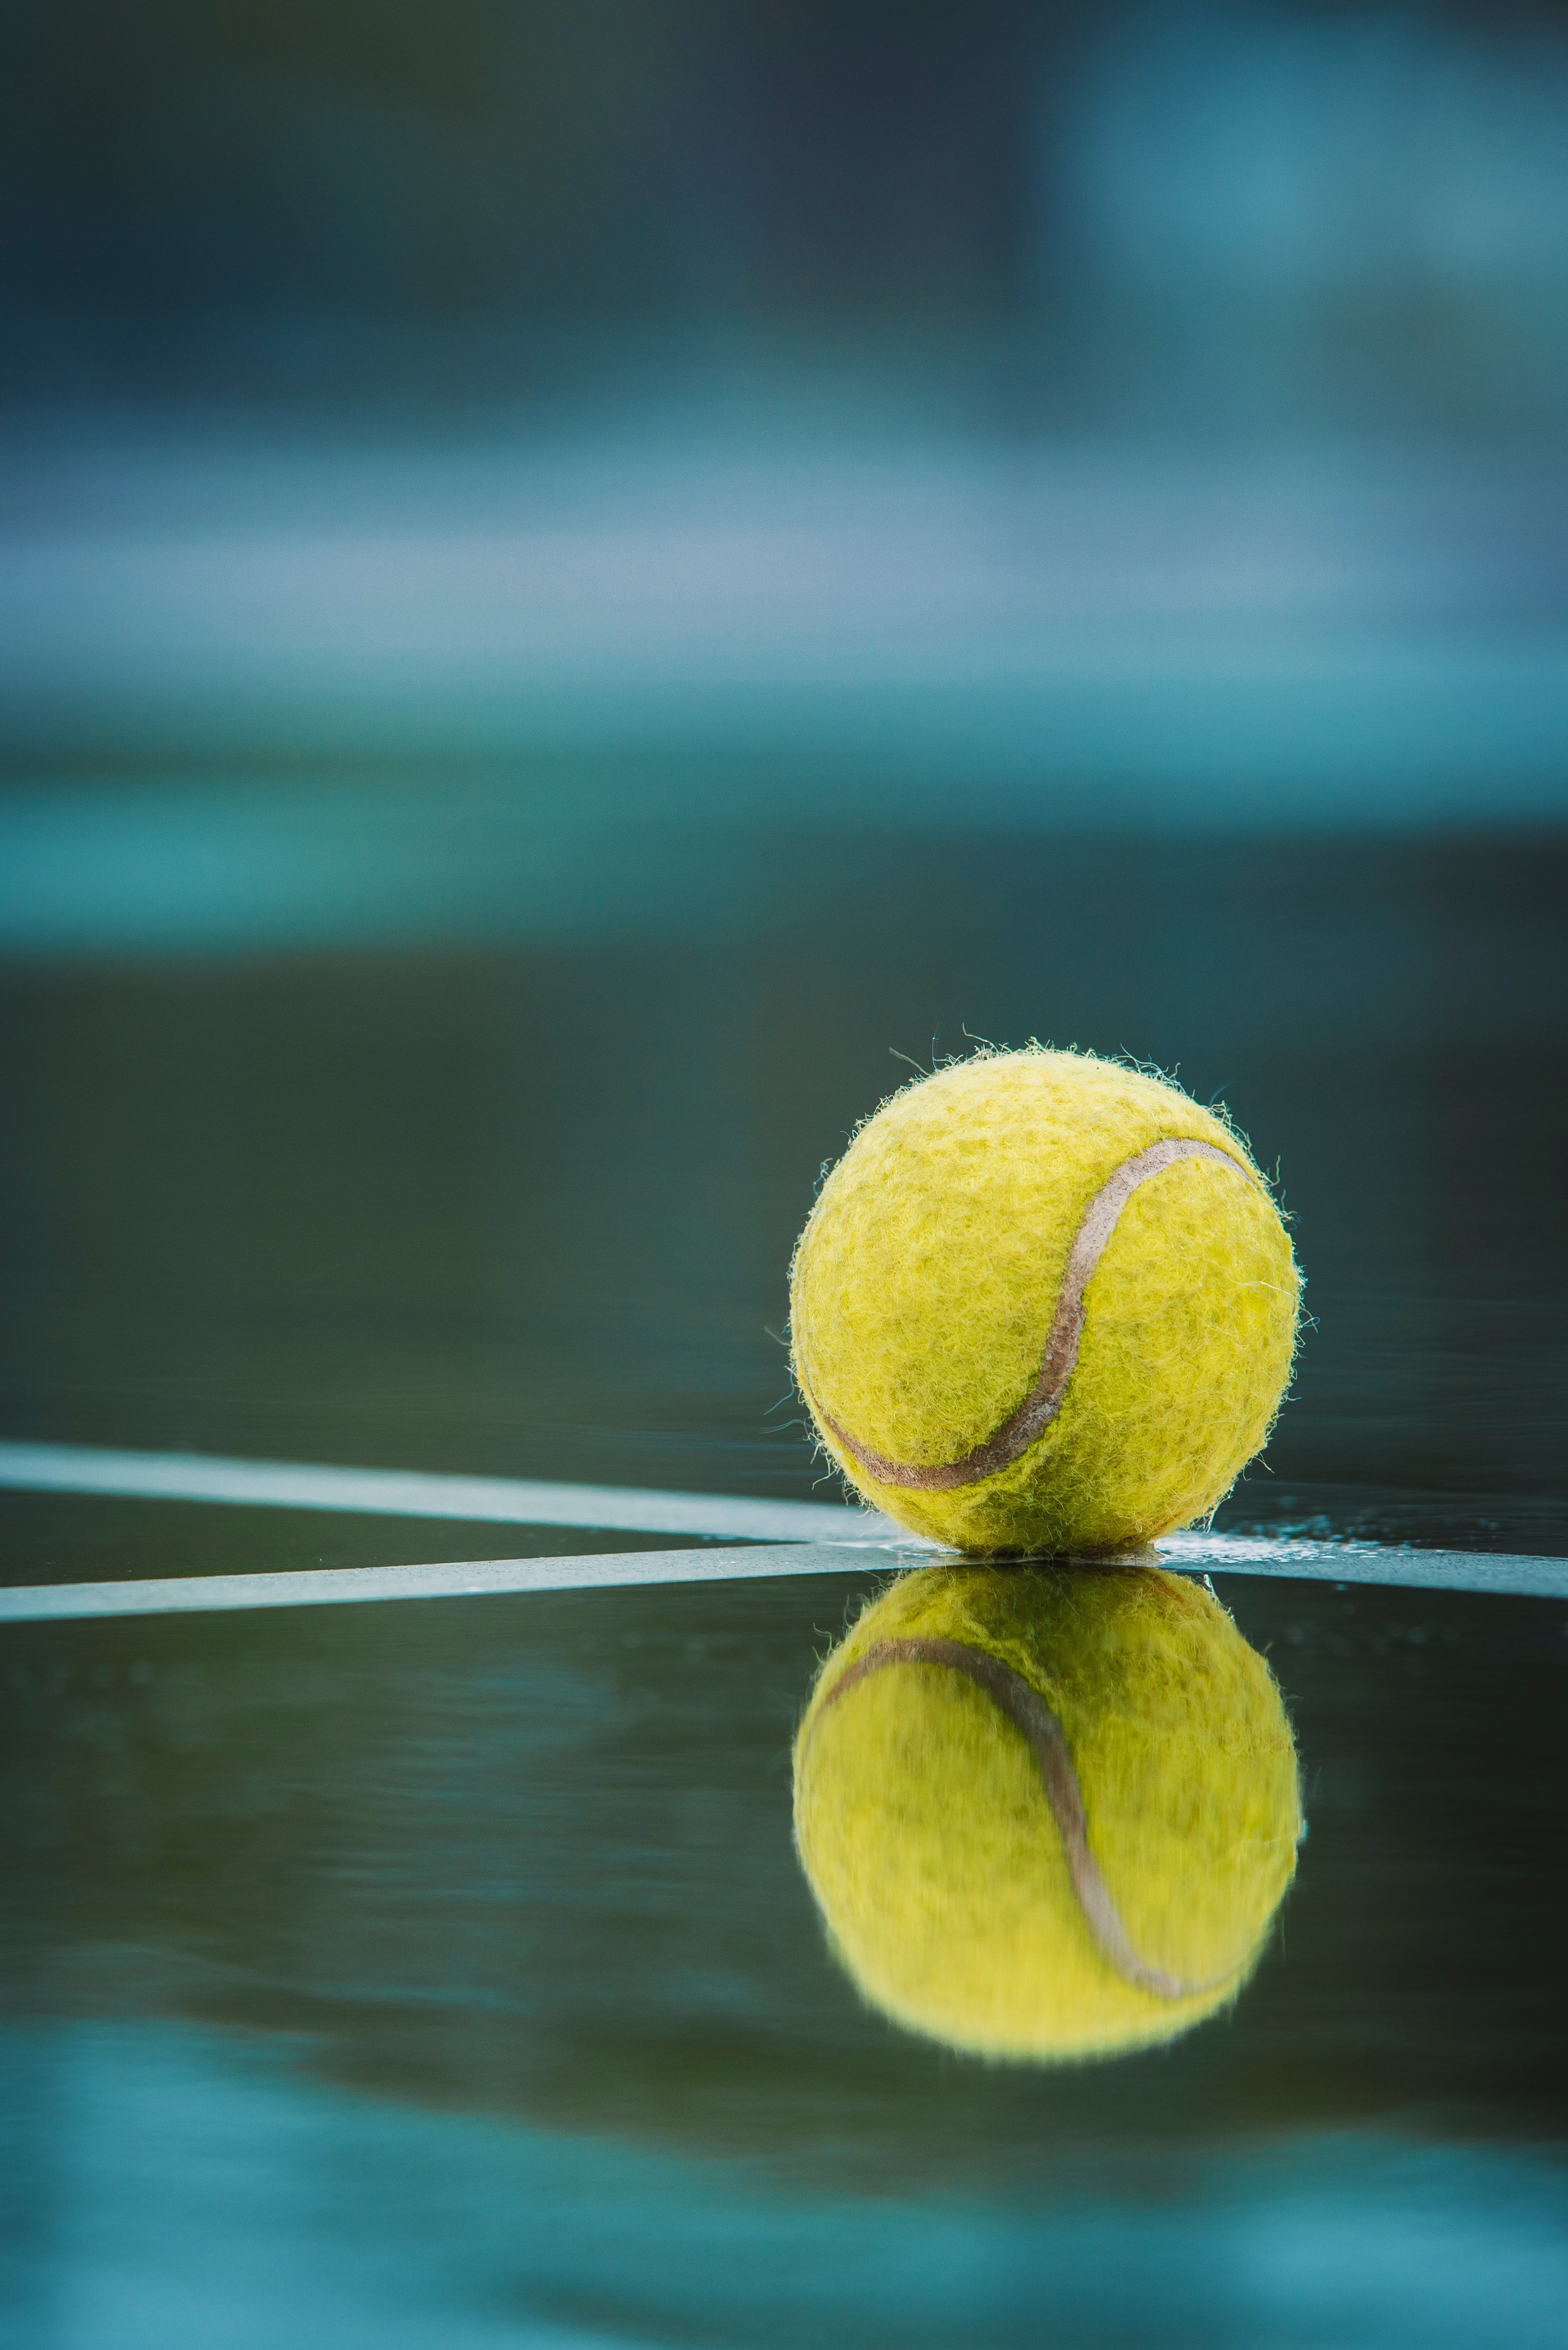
[1046, 1813]
[1044, 1304]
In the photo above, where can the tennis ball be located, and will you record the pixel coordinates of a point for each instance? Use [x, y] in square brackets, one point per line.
[1044, 1304]
[1047, 1813]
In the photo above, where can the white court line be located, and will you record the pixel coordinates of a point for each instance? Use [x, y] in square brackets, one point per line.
[867, 1543]
[488, 1578]
[460, 1579]
[417, 1494]
[1539, 1578]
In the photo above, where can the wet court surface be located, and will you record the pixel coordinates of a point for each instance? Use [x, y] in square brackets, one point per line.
[443, 1972]
[448, 1968]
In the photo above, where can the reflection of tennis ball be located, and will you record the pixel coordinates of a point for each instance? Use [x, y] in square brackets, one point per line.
[1046, 1813]
[1044, 1304]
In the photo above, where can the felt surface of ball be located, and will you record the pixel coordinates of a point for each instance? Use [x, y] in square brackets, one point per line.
[1044, 1304]
[934, 1779]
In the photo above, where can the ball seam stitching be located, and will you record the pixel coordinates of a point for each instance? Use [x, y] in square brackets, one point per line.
[1041, 1406]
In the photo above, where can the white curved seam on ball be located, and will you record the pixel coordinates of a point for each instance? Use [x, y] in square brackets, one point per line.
[1040, 1407]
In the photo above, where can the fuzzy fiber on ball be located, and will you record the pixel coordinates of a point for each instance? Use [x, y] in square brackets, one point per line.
[925, 1285]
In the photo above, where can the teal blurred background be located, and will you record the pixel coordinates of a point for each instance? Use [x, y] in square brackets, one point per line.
[1216, 216]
